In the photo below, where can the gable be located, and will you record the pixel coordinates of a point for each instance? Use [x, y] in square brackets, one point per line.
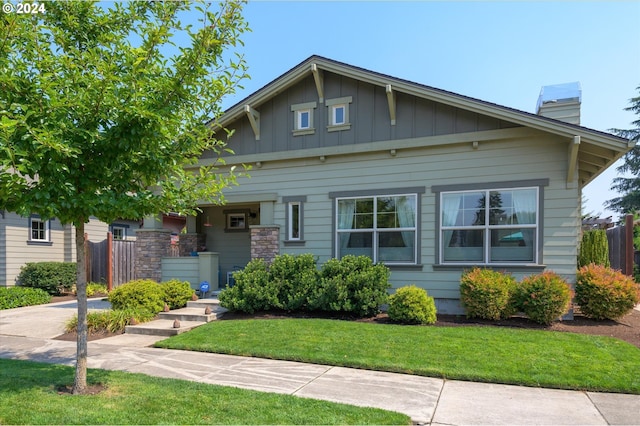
[369, 118]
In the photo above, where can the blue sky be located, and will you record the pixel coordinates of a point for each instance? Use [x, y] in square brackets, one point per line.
[500, 51]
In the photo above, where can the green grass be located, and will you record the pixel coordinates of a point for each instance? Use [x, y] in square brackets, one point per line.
[483, 354]
[28, 392]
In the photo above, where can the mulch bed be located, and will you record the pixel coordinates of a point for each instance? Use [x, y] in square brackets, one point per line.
[626, 328]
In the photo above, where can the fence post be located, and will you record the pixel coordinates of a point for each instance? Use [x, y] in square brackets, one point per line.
[628, 255]
[109, 261]
[87, 258]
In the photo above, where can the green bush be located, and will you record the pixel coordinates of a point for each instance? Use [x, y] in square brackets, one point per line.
[594, 248]
[487, 294]
[252, 291]
[412, 305]
[543, 297]
[146, 295]
[604, 293]
[93, 289]
[176, 293]
[352, 285]
[112, 321]
[293, 279]
[15, 297]
[53, 277]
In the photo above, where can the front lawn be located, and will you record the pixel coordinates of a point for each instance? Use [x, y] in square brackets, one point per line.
[484, 354]
[29, 395]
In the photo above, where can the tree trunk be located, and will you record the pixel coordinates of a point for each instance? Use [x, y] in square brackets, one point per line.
[80, 382]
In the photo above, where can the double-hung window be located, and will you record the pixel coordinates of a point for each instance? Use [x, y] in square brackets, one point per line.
[489, 226]
[383, 227]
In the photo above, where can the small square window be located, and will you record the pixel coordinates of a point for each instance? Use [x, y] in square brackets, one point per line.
[304, 121]
[303, 118]
[339, 114]
[236, 221]
[39, 229]
[119, 233]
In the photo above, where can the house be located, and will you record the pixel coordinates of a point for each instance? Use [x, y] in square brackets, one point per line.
[351, 161]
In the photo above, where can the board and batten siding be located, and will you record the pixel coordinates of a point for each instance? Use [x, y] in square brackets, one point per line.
[531, 158]
[368, 116]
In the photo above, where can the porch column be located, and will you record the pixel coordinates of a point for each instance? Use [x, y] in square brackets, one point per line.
[152, 244]
[265, 242]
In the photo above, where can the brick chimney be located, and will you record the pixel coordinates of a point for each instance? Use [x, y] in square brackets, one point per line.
[561, 102]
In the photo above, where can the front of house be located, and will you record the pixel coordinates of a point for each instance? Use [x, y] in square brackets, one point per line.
[430, 183]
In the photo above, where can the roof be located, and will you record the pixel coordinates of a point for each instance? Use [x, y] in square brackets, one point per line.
[590, 151]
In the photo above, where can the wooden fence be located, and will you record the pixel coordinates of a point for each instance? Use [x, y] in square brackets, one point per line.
[110, 261]
[621, 251]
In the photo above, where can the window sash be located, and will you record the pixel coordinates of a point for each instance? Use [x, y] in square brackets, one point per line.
[303, 121]
[39, 230]
[487, 234]
[294, 225]
[363, 227]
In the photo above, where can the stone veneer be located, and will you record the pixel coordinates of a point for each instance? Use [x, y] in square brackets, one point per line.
[151, 246]
[265, 242]
[191, 242]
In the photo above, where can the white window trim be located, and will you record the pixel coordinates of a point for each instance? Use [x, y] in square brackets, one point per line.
[487, 228]
[290, 223]
[119, 228]
[334, 104]
[297, 110]
[376, 231]
[47, 230]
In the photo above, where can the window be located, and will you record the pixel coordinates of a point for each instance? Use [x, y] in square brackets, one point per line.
[339, 113]
[38, 229]
[383, 227]
[119, 233]
[303, 118]
[236, 221]
[294, 219]
[489, 226]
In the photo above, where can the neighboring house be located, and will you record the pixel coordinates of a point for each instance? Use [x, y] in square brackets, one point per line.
[429, 182]
[31, 239]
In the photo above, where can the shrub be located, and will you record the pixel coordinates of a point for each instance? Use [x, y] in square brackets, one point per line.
[252, 291]
[15, 297]
[112, 321]
[594, 248]
[604, 293]
[293, 279]
[487, 294]
[352, 285]
[543, 297]
[93, 289]
[146, 295]
[52, 277]
[176, 293]
[412, 305]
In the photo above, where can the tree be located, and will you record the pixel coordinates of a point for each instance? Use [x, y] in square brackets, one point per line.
[96, 119]
[629, 187]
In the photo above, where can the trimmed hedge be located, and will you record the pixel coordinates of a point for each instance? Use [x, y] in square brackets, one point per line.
[176, 293]
[146, 295]
[487, 294]
[293, 283]
[604, 293]
[53, 277]
[16, 297]
[543, 297]
[412, 305]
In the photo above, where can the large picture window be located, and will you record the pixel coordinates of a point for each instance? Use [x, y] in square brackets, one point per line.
[383, 227]
[489, 226]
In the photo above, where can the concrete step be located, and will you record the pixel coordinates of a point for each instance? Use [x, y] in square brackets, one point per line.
[193, 313]
[203, 303]
[162, 327]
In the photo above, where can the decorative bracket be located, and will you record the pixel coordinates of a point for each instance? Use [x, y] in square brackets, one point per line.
[254, 120]
[573, 158]
[391, 100]
[317, 76]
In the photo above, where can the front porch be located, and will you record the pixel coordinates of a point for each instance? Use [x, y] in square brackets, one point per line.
[217, 242]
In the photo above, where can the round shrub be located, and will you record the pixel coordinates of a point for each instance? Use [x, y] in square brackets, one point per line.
[252, 291]
[487, 294]
[53, 277]
[145, 295]
[16, 297]
[543, 297]
[412, 305]
[176, 293]
[604, 293]
[293, 279]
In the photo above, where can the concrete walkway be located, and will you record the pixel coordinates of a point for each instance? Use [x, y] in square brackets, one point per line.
[26, 333]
